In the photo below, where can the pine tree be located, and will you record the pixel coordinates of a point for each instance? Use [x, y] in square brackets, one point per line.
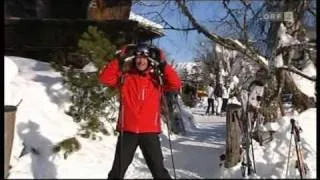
[92, 104]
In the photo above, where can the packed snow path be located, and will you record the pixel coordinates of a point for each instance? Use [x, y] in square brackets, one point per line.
[196, 154]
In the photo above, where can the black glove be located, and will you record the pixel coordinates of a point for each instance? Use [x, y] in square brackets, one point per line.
[162, 65]
[158, 55]
[125, 52]
[155, 53]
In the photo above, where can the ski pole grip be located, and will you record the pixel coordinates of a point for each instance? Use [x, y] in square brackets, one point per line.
[292, 122]
[292, 125]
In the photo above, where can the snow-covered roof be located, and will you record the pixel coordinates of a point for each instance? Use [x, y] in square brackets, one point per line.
[146, 22]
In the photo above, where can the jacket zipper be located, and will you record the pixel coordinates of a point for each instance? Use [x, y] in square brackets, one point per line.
[142, 94]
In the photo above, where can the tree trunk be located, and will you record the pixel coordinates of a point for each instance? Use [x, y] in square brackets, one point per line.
[233, 135]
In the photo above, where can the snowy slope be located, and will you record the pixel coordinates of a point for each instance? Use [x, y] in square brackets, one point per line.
[185, 66]
[41, 122]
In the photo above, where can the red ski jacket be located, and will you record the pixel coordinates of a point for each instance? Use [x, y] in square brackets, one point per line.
[140, 96]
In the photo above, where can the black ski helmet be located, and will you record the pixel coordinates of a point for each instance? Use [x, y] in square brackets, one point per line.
[142, 49]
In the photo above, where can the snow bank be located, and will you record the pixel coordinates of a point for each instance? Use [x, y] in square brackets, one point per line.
[304, 85]
[90, 67]
[185, 66]
[38, 118]
[285, 39]
[271, 159]
[10, 70]
[41, 122]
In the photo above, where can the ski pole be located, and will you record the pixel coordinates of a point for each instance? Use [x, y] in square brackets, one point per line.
[19, 102]
[247, 137]
[252, 152]
[168, 126]
[297, 143]
[174, 169]
[121, 127]
[249, 165]
[121, 141]
[290, 143]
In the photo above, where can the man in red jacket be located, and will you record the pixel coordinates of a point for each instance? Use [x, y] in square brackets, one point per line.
[139, 118]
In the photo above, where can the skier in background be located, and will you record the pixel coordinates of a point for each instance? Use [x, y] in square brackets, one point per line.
[218, 95]
[225, 97]
[210, 99]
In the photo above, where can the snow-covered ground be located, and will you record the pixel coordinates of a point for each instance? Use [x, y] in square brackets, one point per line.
[41, 123]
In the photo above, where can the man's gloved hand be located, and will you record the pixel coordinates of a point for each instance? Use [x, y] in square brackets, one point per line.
[158, 55]
[125, 56]
[162, 65]
[126, 51]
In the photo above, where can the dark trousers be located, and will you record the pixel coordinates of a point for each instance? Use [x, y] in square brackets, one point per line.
[224, 105]
[150, 146]
[210, 104]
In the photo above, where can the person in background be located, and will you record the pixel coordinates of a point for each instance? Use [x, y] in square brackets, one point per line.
[139, 112]
[210, 99]
[225, 97]
[218, 95]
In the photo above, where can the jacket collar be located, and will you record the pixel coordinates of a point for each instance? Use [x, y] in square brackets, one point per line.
[144, 73]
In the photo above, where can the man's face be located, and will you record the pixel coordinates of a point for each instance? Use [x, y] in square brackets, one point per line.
[141, 62]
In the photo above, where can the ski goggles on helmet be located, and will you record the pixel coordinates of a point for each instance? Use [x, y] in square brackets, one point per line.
[142, 51]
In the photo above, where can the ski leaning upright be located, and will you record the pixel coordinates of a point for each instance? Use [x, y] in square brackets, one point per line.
[247, 165]
[300, 164]
[250, 101]
[175, 112]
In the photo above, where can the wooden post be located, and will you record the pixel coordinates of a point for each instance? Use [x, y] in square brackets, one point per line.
[233, 135]
[9, 123]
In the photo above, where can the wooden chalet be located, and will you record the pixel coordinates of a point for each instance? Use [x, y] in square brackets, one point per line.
[49, 26]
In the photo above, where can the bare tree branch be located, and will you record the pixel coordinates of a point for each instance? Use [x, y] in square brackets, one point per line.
[296, 71]
[159, 15]
[221, 25]
[311, 11]
[232, 15]
[225, 42]
[225, 17]
[296, 46]
[248, 5]
[170, 27]
[180, 29]
[140, 2]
